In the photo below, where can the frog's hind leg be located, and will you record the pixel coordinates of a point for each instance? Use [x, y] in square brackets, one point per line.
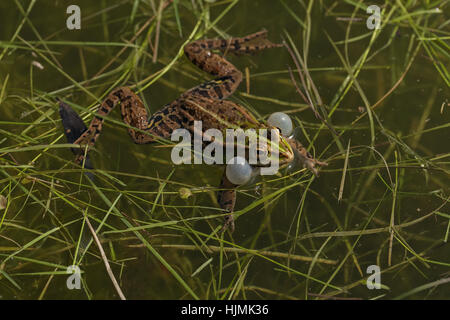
[245, 45]
[229, 77]
[74, 127]
[133, 113]
[226, 197]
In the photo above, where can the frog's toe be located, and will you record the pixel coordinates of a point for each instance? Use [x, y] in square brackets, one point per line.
[321, 163]
[311, 165]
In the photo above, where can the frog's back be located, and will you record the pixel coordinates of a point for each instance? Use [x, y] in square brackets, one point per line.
[213, 114]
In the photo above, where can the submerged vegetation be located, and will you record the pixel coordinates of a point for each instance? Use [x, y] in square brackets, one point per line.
[372, 103]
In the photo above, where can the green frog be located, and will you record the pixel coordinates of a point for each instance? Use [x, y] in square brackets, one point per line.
[206, 102]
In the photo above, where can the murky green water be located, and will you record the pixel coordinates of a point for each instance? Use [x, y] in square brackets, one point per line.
[40, 228]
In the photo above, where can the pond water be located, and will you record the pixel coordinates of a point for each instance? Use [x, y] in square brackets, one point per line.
[296, 237]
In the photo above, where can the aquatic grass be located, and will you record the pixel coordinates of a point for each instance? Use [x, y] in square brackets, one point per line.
[382, 200]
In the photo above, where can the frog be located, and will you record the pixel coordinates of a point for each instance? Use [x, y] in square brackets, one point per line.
[207, 102]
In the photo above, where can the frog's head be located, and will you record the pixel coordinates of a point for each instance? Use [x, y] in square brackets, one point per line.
[280, 125]
[289, 148]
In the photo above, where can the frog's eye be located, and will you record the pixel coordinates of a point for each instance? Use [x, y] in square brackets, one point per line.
[282, 121]
[238, 171]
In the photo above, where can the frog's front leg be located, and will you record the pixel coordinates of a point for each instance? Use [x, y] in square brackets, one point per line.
[227, 199]
[307, 160]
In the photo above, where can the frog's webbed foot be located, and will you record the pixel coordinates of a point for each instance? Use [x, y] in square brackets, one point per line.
[302, 155]
[227, 199]
[74, 127]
